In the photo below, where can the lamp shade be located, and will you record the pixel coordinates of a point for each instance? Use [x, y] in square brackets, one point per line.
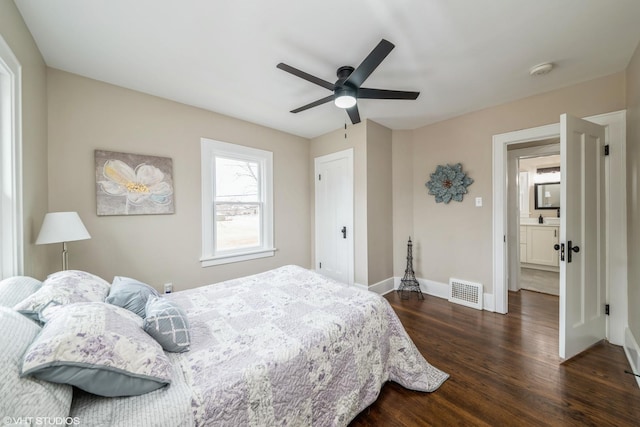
[60, 227]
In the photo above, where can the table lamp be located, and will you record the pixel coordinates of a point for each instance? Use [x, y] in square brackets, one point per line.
[62, 227]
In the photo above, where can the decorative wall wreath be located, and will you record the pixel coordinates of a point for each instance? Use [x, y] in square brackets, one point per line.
[448, 183]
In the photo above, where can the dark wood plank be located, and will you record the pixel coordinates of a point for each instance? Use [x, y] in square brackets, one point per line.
[505, 371]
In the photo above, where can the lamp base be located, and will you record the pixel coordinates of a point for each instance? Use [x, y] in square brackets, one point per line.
[65, 256]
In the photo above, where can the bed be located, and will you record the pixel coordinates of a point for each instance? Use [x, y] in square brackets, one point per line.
[283, 347]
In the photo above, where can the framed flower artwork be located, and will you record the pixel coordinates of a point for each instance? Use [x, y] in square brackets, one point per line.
[133, 184]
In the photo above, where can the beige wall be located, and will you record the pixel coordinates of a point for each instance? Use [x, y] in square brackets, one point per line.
[34, 135]
[454, 240]
[373, 222]
[85, 115]
[402, 197]
[379, 203]
[633, 204]
[450, 240]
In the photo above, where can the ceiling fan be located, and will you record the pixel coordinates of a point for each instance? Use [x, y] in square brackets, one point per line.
[346, 90]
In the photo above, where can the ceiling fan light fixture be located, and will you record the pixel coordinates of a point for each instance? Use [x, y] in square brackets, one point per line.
[345, 98]
[348, 88]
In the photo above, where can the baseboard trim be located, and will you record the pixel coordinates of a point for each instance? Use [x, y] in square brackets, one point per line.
[360, 285]
[632, 351]
[433, 288]
[429, 287]
[441, 290]
[382, 287]
[540, 267]
[489, 302]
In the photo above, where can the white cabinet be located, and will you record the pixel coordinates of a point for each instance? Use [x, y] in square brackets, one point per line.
[538, 245]
[523, 244]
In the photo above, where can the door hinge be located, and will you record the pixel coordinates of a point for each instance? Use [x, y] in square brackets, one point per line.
[606, 150]
[607, 310]
[320, 265]
[319, 177]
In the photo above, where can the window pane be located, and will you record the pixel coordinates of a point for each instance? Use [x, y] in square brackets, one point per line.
[236, 180]
[237, 226]
[237, 203]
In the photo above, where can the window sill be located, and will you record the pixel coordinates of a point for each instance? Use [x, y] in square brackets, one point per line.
[236, 257]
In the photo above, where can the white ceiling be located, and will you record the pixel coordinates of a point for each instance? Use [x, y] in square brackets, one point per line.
[462, 55]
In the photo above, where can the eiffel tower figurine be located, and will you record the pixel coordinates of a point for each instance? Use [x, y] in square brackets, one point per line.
[409, 282]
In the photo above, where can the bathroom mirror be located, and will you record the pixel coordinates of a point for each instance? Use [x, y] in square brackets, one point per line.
[547, 195]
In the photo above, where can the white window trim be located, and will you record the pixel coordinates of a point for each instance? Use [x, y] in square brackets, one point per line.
[209, 150]
[12, 258]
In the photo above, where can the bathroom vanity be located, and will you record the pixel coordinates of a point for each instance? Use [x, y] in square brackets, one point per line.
[536, 244]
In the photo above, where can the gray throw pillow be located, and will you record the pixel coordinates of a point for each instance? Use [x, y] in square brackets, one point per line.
[130, 294]
[167, 322]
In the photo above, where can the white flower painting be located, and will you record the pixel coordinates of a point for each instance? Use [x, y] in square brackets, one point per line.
[132, 184]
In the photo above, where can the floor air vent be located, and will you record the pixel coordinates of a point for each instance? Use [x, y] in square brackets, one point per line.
[465, 293]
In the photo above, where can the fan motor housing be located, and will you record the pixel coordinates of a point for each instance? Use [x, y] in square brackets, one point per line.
[344, 72]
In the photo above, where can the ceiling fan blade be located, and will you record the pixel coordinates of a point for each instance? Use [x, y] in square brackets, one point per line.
[354, 115]
[308, 77]
[370, 63]
[367, 93]
[314, 104]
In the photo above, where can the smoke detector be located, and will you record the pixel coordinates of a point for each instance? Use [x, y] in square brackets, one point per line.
[541, 69]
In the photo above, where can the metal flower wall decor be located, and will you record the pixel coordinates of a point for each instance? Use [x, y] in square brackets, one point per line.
[448, 183]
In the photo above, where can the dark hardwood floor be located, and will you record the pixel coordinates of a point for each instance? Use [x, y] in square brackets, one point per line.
[505, 371]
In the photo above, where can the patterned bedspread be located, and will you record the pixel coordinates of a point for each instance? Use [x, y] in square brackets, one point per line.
[284, 347]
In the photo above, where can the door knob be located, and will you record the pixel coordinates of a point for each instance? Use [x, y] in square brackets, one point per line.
[561, 248]
[571, 249]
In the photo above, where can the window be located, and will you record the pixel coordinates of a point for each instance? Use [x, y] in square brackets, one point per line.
[237, 203]
[11, 246]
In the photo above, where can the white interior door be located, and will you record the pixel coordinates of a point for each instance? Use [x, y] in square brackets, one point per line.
[582, 236]
[334, 215]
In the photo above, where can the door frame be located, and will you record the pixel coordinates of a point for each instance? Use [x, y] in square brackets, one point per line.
[616, 221]
[348, 154]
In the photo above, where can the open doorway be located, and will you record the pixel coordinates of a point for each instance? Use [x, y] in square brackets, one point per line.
[534, 174]
[615, 169]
